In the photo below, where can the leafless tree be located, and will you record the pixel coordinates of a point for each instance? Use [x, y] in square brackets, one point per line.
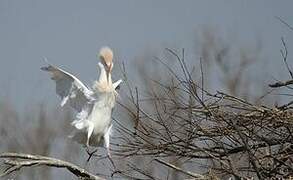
[218, 134]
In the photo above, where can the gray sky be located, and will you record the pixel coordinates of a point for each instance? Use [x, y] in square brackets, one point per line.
[69, 33]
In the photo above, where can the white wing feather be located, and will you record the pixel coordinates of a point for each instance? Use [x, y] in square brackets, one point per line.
[117, 83]
[70, 89]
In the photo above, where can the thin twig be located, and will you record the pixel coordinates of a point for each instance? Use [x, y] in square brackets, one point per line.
[194, 175]
[284, 22]
[284, 54]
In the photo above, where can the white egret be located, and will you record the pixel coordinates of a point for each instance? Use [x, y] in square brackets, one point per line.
[92, 124]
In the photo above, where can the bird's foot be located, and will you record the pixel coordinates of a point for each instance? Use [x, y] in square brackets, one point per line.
[90, 154]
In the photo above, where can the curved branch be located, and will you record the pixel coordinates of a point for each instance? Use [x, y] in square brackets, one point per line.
[16, 161]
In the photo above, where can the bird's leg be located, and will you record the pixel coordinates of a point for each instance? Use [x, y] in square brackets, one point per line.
[111, 160]
[87, 143]
[107, 139]
[107, 144]
[89, 133]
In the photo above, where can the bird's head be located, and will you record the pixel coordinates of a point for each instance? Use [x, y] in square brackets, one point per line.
[106, 57]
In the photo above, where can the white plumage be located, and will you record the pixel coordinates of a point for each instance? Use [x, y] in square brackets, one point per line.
[92, 124]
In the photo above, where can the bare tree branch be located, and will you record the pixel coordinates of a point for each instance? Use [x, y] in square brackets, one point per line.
[221, 133]
[16, 161]
[194, 175]
[281, 84]
[284, 22]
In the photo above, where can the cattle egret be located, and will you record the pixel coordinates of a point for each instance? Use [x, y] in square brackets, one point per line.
[92, 124]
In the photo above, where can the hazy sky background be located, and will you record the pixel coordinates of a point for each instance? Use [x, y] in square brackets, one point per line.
[69, 33]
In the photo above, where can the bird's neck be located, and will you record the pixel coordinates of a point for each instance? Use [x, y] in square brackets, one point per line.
[110, 79]
[103, 84]
[103, 76]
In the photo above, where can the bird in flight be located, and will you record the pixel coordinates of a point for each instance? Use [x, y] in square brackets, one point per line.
[92, 124]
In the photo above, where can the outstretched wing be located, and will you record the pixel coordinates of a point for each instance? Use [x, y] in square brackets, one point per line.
[70, 89]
